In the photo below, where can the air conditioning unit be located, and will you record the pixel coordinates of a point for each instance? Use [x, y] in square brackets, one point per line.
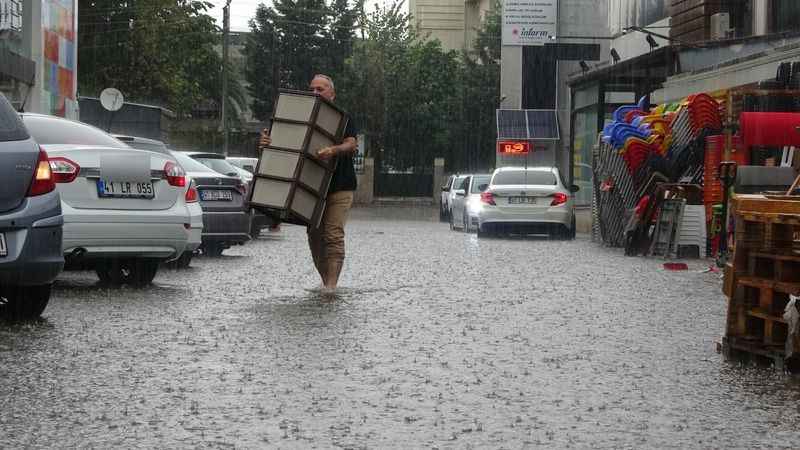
[720, 26]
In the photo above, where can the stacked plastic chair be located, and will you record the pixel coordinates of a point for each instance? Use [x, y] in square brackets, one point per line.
[641, 141]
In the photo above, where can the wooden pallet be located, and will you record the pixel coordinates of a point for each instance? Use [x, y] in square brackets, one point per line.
[762, 274]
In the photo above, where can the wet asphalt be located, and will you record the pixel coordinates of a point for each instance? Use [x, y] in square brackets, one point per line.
[435, 340]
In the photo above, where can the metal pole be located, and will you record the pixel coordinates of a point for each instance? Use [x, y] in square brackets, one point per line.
[225, 30]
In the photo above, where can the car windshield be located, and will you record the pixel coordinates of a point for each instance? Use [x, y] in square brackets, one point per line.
[189, 164]
[54, 131]
[219, 165]
[480, 183]
[520, 177]
[11, 128]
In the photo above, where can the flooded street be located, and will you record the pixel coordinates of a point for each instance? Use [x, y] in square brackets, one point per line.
[436, 340]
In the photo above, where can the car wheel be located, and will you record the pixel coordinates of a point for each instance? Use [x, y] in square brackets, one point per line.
[136, 272]
[24, 302]
[452, 225]
[213, 249]
[442, 214]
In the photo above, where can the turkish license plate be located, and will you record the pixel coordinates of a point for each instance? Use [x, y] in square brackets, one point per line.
[521, 200]
[3, 248]
[214, 195]
[125, 189]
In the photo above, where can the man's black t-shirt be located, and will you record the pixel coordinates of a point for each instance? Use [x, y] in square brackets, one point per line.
[344, 178]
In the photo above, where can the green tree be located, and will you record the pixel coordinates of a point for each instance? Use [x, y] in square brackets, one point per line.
[156, 51]
[289, 42]
[481, 96]
[365, 81]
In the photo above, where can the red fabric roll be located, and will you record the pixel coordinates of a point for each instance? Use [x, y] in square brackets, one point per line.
[769, 129]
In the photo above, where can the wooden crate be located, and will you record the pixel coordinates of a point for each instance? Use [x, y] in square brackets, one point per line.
[763, 273]
[291, 182]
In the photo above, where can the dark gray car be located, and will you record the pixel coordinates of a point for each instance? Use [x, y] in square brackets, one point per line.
[30, 221]
[225, 218]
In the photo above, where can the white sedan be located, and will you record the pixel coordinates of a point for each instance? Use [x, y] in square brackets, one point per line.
[530, 200]
[124, 209]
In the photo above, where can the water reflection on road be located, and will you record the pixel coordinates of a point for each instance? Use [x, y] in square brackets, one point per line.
[436, 339]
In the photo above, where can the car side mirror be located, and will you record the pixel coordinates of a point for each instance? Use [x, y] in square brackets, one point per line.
[445, 189]
[574, 188]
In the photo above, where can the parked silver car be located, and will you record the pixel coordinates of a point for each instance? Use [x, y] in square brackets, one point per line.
[30, 221]
[527, 201]
[467, 202]
[192, 199]
[124, 209]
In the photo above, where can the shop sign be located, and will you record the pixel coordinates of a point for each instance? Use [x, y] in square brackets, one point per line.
[529, 22]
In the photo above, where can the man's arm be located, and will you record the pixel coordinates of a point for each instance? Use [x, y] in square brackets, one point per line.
[348, 147]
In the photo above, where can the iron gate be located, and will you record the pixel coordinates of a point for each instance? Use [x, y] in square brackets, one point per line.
[403, 185]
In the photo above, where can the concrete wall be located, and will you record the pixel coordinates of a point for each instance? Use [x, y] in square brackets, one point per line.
[365, 194]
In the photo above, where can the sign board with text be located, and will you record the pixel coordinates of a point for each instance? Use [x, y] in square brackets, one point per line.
[529, 22]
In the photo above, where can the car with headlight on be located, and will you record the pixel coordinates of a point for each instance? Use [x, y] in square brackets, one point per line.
[30, 221]
[467, 203]
[531, 200]
[124, 209]
[226, 221]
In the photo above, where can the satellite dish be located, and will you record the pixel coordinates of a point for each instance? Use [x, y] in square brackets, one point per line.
[111, 99]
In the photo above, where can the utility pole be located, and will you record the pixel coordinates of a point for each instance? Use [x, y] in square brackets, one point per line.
[226, 24]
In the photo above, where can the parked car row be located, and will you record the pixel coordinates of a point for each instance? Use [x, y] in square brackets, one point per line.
[75, 196]
[511, 200]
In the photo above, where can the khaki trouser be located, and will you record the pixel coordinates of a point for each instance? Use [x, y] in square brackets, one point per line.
[327, 241]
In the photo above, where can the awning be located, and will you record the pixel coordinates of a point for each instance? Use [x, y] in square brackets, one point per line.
[528, 124]
[770, 129]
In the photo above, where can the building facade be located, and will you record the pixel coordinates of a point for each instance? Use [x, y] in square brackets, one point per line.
[38, 55]
[664, 50]
[453, 22]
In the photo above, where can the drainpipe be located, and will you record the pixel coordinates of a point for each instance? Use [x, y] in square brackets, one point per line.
[760, 10]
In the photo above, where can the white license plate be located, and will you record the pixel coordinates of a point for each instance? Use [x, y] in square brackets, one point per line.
[3, 248]
[521, 200]
[214, 195]
[125, 189]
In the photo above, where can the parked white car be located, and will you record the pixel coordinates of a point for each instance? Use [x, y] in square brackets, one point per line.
[124, 209]
[444, 206]
[527, 201]
[455, 185]
[467, 203]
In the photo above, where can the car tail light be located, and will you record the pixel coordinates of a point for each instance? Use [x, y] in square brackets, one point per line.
[191, 193]
[175, 174]
[559, 198]
[488, 198]
[42, 182]
[64, 170]
[242, 188]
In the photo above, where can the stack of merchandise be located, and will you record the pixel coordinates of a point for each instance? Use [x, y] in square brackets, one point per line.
[646, 146]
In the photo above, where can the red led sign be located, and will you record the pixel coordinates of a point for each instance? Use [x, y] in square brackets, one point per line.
[513, 147]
